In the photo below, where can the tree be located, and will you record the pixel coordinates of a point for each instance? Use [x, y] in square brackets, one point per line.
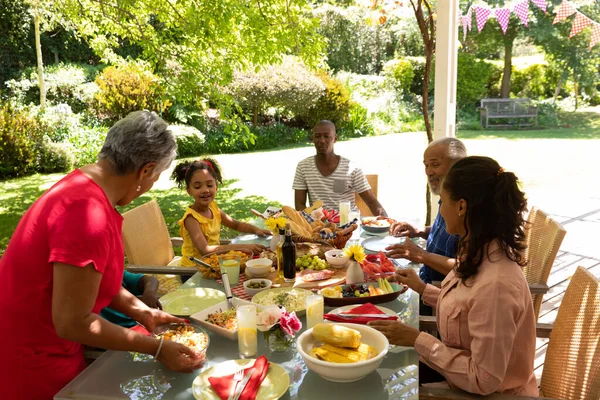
[196, 45]
[35, 8]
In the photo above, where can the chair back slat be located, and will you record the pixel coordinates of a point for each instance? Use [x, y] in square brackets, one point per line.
[544, 237]
[572, 363]
[146, 236]
[364, 209]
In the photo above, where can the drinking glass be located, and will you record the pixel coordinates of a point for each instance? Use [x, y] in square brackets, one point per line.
[230, 265]
[354, 214]
[247, 341]
[314, 310]
[344, 210]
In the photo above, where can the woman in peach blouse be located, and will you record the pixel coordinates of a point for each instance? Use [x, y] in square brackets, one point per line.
[484, 308]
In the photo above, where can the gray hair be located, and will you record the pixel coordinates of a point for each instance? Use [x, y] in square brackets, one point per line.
[456, 148]
[139, 138]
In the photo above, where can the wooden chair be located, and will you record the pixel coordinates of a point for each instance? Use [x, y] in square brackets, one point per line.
[544, 237]
[572, 364]
[364, 209]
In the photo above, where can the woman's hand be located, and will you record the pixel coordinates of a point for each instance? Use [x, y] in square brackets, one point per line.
[151, 299]
[177, 357]
[397, 333]
[154, 317]
[410, 278]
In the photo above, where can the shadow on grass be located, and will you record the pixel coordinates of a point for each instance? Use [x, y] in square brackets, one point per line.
[17, 195]
[575, 125]
[173, 202]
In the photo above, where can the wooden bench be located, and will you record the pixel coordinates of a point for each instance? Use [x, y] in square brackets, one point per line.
[520, 111]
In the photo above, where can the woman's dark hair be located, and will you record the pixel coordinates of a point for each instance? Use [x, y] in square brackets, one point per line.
[495, 211]
[185, 170]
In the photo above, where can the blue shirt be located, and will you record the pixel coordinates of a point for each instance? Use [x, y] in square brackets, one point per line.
[438, 242]
[130, 282]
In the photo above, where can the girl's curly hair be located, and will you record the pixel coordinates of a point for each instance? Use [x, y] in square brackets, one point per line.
[183, 172]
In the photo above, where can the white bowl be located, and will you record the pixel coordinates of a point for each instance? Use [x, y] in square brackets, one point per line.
[344, 372]
[201, 317]
[259, 267]
[336, 258]
[251, 292]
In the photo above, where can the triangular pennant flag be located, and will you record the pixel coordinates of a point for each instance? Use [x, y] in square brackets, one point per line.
[522, 11]
[503, 15]
[465, 26]
[579, 23]
[565, 10]
[595, 38]
[470, 18]
[481, 15]
[541, 4]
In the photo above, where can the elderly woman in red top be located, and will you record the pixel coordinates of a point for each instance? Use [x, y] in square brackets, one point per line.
[64, 264]
[484, 309]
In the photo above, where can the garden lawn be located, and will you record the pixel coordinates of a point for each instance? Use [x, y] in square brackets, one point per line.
[16, 195]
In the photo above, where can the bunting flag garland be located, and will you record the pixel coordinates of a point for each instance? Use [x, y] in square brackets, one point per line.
[579, 23]
[565, 10]
[503, 15]
[540, 3]
[595, 39]
[522, 11]
[481, 15]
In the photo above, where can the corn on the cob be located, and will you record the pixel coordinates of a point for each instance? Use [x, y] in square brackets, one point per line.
[342, 355]
[336, 335]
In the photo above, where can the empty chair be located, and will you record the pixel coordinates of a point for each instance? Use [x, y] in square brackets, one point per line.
[364, 209]
[544, 237]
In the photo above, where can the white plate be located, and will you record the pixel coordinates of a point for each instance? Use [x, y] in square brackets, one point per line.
[201, 316]
[274, 386]
[377, 244]
[251, 239]
[350, 307]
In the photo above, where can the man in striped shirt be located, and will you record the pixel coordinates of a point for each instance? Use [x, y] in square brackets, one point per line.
[329, 177]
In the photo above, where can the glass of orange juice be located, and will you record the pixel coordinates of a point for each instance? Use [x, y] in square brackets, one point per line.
[247, 339]
[314, 310]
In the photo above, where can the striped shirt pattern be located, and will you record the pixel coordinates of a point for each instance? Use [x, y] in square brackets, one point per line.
[340, 186]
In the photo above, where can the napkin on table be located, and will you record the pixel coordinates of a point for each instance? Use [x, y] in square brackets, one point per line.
[222, 384]
[367, 308]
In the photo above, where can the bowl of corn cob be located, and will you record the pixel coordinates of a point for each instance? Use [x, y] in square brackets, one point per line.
[342, 352]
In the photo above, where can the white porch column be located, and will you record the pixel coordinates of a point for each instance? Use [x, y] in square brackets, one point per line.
[446, 55]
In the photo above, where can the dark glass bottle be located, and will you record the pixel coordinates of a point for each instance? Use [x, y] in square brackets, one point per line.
[288, 252]
[279, 255]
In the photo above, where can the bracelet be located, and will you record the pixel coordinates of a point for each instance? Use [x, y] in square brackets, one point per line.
[162, 339]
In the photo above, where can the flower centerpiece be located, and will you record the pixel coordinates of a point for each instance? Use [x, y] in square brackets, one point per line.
[279, 327]
[275, 225]
[356, 254]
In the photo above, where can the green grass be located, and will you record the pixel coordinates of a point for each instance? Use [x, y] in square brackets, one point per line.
[17, 195]
[574, 125]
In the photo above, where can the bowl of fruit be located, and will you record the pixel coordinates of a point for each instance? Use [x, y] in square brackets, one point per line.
[378, 292]
[342, 352]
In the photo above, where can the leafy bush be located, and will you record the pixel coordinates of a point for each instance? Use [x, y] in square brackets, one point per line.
[126, 88]
[55, 157]
[20, 138]
[86, 143]
[399, 74]
[357, 125]
[547, 113]
[289, 87]
[354, 45]
[334, 105]
[190, 141]
[468, 120]
[418, 65]
[473, 82]
[529, 82]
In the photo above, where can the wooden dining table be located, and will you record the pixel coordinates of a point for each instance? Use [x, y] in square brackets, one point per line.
[125, 375]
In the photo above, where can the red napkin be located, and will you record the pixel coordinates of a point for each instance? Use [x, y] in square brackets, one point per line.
[222, 384]
[367, 308]
[140, 329]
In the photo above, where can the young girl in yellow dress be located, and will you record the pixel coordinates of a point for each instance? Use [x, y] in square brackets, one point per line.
[200, 226]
